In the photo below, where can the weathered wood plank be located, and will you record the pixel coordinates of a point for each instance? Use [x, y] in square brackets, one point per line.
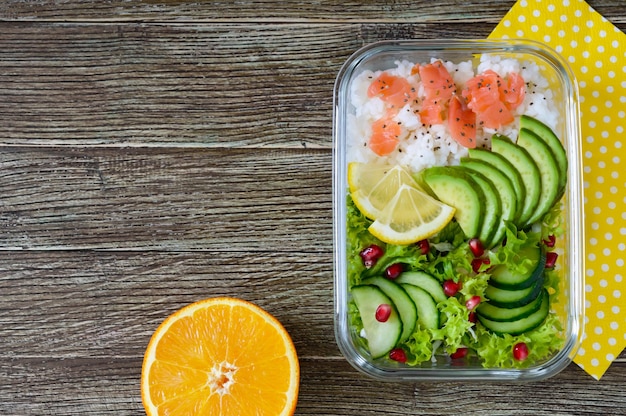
[219, 85]
[75, 325]
[568, 393]
[415, 11]
[110, 386]
[255, 10]
[242, 200]
[68, 304]
[63, 305]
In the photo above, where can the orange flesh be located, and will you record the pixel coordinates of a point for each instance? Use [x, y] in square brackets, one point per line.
[222, 359]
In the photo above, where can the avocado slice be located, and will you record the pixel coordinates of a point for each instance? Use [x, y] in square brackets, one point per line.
[506, 192]
[493, 207]
[457, 188]
[528, 170]
[507, 168]
[548, 169]
[553, 142]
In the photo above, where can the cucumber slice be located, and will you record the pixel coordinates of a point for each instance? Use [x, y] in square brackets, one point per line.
[528, 170]
[553, 142]
[427, 282]
[493, 207]
[506, 192]
[522, 325]
[505, 298]
[427, 312]
[548, 169]
[382, 337]
[495, 313]
[496, 160]
[503, 278]
[457, 189]
[402, 301]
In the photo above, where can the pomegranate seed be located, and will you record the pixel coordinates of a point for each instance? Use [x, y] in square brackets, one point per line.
[398, 354]
[472, 302]
[383, 312]
[520, 351]
[459, 353]
[370, 255]
[476, 247]
[551, 241]
[450, 287]
[393, 271]
[477, 263]
[424, 246]
[472, 317]
[551, 259]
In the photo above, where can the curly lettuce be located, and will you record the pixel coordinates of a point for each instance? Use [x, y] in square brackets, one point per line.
[450, 258]
[456, 324]
[496, 350]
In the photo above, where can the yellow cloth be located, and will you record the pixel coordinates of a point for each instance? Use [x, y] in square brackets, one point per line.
[596, 52]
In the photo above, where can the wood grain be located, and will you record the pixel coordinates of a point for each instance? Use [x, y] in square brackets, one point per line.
[107, 304]
[219, 85]
[389, 11]
[243, 200]
[257, 11]
[154, 153]
[108, 386]
[75, 325]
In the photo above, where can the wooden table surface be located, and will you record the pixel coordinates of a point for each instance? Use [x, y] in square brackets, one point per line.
[155, 153]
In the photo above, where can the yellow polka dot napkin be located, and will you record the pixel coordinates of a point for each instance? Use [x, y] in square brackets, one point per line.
[596, 52]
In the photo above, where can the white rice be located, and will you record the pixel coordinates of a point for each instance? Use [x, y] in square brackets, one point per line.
[422, 146]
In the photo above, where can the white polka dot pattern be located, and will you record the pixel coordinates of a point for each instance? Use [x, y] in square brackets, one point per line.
[596, 51]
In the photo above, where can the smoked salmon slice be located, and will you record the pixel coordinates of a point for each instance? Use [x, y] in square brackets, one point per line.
[462, 122]
[488, 100]
[493, 98]
[385, 136]
[515, 91]
[393, 90]
[439, 87]
[437, 81]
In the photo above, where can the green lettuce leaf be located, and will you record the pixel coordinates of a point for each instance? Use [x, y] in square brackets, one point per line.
[474, 285]
[420, 346]
[453, 265]
[451, 258]
[508, 254]
[497, 350]
[455, 325]
[357, 238]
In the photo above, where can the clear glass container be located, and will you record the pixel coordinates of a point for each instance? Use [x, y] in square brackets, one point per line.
[385, 55]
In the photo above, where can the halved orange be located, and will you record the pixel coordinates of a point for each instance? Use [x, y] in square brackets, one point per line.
[220, 356]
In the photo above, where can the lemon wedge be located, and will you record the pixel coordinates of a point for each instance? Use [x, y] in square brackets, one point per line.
[411, 216]
[402, 212]
[372, 186]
